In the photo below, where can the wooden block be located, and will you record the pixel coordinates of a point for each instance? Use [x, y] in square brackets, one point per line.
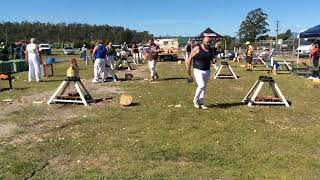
[128, 76]
[4, 76]
[126, 100]
[316, 83]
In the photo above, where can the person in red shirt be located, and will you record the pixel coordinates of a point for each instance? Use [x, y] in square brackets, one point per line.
[152, 55]
[135, 53]
[314, 55]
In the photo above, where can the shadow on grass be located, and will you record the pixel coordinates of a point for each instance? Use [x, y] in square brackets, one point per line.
[226, 105]
[52, 80]
[134, 104]
[13, 89]
[265, 70]
[124, 69]
[231, 77]
[109, 79]
[173, 78]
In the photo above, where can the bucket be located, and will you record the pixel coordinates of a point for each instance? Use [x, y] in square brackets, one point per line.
[50, 61]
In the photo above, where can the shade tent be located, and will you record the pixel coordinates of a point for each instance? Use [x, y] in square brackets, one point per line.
[207, 32]
[310, 33]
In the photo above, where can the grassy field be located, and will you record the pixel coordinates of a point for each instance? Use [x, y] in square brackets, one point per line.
[162, 136]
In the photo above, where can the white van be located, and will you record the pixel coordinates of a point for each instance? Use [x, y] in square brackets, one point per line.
[45, 48]
[304, 50]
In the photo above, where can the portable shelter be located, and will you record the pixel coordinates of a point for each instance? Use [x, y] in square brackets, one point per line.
[207, 32]
[312, 33]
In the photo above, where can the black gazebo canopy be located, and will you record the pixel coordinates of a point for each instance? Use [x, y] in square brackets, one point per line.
[209, 33]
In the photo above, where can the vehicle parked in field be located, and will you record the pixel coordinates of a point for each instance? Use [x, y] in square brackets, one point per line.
[45, 48]
[303, 50]
[68, 50]
[169, 48]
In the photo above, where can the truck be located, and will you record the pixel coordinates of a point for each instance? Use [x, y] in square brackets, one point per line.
[169, 49]
[45, 48]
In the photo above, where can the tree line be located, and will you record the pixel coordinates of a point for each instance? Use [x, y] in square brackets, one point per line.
[74, 33]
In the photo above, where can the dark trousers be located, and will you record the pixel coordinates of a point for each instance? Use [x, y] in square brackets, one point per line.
[315, 61]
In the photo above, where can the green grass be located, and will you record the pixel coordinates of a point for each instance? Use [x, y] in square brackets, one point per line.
[153, 141]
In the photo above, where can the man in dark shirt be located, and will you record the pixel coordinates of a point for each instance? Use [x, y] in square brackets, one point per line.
[201, 57]
[152, 56]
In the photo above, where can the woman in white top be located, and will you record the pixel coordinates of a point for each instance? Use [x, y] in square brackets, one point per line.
[33, 57]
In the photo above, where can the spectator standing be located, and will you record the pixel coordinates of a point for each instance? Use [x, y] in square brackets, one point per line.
[34, 59]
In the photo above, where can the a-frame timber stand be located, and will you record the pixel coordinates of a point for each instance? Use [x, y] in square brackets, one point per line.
[226, 66]
[252, 97]
[82, 96]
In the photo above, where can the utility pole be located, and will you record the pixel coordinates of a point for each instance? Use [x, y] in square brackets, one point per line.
[277, 31]
[6, 37]
[58, 38]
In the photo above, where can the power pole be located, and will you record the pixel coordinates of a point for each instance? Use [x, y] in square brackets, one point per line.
[58, 38]
[277, 31]
[6, 37]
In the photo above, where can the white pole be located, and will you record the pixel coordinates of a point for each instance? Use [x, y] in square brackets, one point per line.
[225, 48]
[298, 57]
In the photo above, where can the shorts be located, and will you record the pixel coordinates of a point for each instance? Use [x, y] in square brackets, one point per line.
[249, 60]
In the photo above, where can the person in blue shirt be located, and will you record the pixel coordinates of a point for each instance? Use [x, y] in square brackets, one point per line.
[99, 55]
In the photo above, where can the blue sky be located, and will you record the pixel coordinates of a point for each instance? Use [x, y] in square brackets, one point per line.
[165, 17]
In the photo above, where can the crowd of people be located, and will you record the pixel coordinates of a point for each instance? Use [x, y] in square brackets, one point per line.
[199, 58]
[107, 57]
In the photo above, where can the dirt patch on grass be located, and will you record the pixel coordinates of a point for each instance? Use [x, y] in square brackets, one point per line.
[7, 129]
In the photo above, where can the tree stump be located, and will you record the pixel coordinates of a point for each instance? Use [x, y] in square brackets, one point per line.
[128, 76]
[126, 100]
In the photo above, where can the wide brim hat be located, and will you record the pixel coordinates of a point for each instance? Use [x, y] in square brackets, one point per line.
[247, 43]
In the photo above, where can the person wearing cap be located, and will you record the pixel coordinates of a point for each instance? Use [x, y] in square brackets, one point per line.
[249, 56]
[83, 53]
[99, 55]
[34, 59]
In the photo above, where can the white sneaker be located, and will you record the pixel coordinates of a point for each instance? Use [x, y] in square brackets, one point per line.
[95, 81]
[203, 107]
[195, 104]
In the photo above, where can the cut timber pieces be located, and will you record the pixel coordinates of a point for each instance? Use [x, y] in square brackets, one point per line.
[316, 83]
[83, 98]
[226, 66]
[128, 76]
[126, 100]
[252, 96]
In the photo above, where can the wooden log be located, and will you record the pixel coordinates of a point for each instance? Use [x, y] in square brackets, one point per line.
[74, 94]
[128, 76]
[316, 83]
[126, 100]
[4, 76]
